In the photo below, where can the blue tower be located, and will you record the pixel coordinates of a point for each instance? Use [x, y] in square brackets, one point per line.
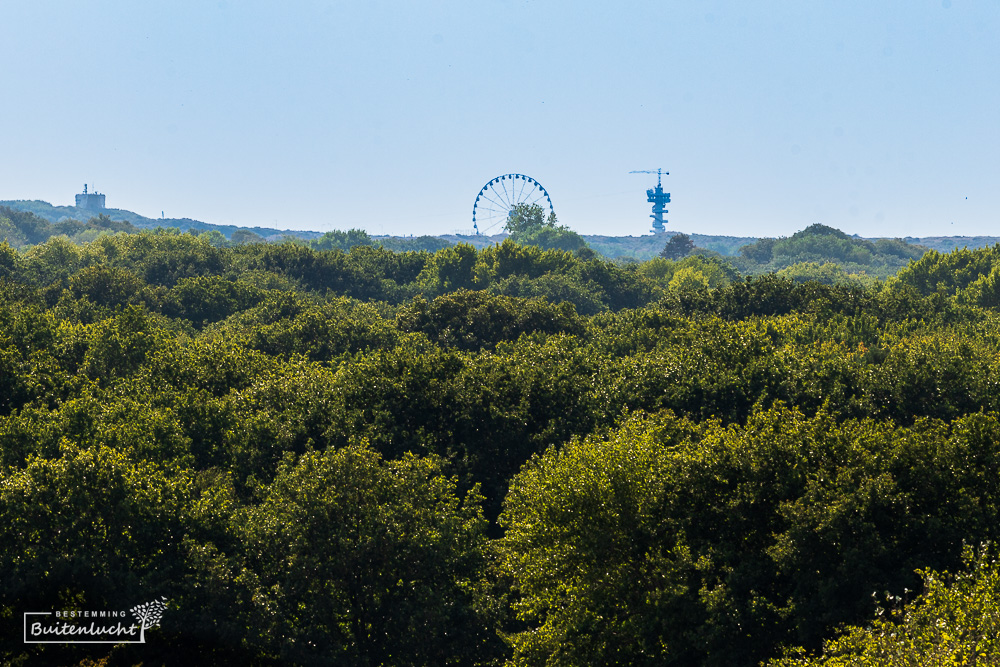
[657, 197]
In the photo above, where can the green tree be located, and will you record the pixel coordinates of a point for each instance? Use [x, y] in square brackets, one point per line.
[356, 561]
[242, 236]
[104, 223]
[828, 273]
[760, 252]
[90, 529]
[955, 621]
[471, 320]
[552, 238]
[24, 227]
[525, 218]
[161, 257]
[707, 271]
[119, 345]
[672, 543]
[107, 286]
[678, 247]
[214, 238]
[341, 240]
[820, 244]
[408, 244]
[54, 260]
[449, 269]
[984, 291]
[204, 299]
[597, 578]
[9, 260]
[528, 225]
[284, 326]
[10, 234]
[586, 297]
[688, 278]
[507, 259]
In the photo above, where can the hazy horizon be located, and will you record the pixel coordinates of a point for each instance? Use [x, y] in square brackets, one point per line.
[876, 120]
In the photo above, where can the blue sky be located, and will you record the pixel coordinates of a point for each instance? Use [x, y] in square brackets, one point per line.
[879, 118]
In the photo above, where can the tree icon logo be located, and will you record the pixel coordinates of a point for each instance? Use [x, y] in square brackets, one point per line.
[149, 615]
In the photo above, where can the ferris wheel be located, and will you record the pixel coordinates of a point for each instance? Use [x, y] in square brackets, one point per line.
[499, 197]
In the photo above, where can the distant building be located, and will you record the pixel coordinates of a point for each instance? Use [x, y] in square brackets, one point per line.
[91, 201]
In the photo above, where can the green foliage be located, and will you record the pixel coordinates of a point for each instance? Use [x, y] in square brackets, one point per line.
[586, 298]
[356, 561]
[22, 227]
[341, 240]
[551, 238]
[771, 295]
[828, 273]
[528, 225]
[118, 346]
[984, 291]
[899, 248]
[760, 252]
[820, 245]
[88, 529]
[508, 259]
[678, 247]
[951, 272]
[214, 238]
[9, 260]
[471, 320]
[955, 621]
[418, 244]
[107, 286]
[10, 234]
[281, 325]
[104, 223]
[597, 580]
[525, 218]
[204, 299]
[449, 269]
[642, 248]
[316, 270]
[160, 258]
[692, 272]
[242, 236]
[668, 542]
[260, 432]
[826, 241]
[51, 262]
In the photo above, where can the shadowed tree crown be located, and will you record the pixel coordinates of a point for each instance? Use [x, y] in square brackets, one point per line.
[679, 246]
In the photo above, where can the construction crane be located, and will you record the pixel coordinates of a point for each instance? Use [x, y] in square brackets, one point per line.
[657, 197]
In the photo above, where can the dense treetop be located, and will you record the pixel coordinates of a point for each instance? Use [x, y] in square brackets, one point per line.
[338, 453]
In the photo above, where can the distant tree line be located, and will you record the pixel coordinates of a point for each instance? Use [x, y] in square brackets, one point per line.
[823, 253]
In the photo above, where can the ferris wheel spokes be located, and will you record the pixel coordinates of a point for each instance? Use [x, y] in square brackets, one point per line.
[498, 198]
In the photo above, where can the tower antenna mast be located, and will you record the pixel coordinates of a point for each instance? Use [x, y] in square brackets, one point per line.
[657, 197]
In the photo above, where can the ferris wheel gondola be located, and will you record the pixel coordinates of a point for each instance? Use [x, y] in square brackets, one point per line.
[498, 198]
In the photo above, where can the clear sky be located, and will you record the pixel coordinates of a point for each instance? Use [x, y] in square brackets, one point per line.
[879, 118]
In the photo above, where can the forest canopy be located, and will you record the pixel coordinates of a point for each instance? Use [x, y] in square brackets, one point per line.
[336, 453]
